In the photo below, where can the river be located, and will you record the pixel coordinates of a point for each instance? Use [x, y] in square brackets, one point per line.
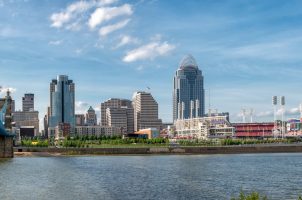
[279, 176]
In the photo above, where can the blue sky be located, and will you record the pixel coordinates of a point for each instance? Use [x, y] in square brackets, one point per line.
[247, 50]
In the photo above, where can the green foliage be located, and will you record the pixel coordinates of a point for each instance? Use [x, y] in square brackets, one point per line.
[90, 141]
[34, 143]
[73, 143]
[250, 196]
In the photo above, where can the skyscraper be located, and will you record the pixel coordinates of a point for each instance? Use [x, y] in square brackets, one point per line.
[121, 118]
[62, 102]
[28, 102]
[118, 113]
[145, 111]
[91, 119]
[188, 93]
[113, 103]
[80, 119]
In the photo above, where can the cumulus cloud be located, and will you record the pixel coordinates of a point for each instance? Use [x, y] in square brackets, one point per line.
[125, 40]
[74, 10]
[55, 42]
[101, 15]
[270, 113]
[4, 89]
[114, 27]
[81, 107]
[149, 51]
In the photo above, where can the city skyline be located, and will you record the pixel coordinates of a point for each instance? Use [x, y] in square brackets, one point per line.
[246, 53]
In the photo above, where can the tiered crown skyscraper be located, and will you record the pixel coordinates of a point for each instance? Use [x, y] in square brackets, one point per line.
[188, 93]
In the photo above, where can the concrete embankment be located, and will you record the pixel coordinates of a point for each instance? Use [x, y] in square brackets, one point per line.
[20, 151]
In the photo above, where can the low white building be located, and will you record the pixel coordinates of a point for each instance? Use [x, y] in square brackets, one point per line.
[97, 130]
[204, 128]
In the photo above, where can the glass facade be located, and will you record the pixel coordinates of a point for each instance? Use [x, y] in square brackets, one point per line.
[62, 102]
[188, 93]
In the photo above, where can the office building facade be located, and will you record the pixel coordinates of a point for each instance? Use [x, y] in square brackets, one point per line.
[145, 111]
[91, 119]
[188, 93]
[26, 119]
[80, 119]
[121, 118]
[62, 102]
[28, 102]
[113, 103]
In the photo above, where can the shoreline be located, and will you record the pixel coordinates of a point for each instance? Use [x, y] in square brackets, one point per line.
[240, 149]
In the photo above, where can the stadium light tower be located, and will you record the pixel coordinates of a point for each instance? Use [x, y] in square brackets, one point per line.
[251, 114]
[282, 103]
[243, 114]
[274, 103]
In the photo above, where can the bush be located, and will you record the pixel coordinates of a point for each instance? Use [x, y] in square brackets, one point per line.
[251, 196]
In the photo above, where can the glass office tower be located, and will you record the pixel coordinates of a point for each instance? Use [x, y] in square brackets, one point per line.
[62, 102]
[188, 93]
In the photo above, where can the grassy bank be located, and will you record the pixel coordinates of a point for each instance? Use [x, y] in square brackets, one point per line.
[105, 141]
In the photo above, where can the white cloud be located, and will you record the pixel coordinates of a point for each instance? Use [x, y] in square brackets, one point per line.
[74, 10]
[114, 27]
[125, 40]
[55, 42]
[156, 37]
[81, 107]
[78, 51]
[149, 51]
[101, 15]
[4, 89]
[270, 113]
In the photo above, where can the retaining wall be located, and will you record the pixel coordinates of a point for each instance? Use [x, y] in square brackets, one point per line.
[168, 150]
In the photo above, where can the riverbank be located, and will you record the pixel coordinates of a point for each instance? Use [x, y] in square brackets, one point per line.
[238, 149]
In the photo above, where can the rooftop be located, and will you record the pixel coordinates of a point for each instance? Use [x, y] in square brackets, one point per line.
[188, 61]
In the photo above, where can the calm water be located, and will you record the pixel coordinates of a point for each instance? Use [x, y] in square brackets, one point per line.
[151, 177]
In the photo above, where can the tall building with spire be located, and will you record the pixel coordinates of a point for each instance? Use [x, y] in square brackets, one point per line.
[188, 92]
[62, 102]
[91, 119]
